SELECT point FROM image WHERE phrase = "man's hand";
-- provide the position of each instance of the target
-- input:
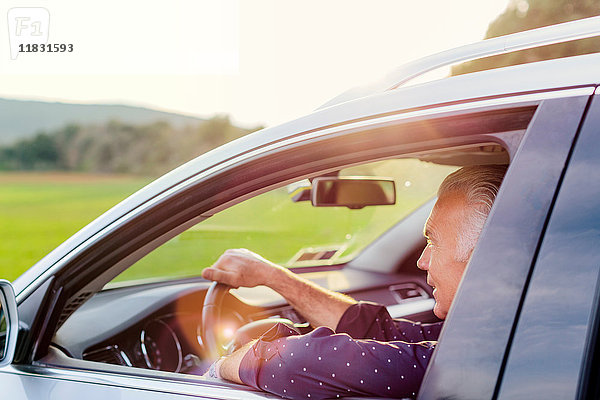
(241, 267)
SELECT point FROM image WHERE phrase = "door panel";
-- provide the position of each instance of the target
(549, 346)
(18, 387)
(469, 358)
(51, 383)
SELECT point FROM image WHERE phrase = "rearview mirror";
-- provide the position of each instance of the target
(9, 323)
(354, 192)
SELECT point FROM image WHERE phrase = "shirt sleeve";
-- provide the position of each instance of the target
(366, 320)
(323, 364)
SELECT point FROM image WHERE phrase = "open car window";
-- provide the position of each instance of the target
(158, 326)
(294, 233)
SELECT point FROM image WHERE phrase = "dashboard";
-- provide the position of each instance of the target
(157, 326)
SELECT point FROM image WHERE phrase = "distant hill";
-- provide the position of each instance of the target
(23, 118)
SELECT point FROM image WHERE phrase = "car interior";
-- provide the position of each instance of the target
(150, 316)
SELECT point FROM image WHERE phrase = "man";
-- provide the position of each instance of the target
(357, 348)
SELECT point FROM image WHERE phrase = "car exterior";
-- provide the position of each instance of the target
(524, 323)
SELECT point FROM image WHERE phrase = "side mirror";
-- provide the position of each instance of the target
(9, 323)
(354, 192)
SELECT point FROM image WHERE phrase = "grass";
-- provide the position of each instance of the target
(278, 229)
(270, 224)
(40, 211)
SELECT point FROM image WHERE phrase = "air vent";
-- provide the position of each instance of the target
(309, 255)
(107, 355)
(73, 305)
(408, 291)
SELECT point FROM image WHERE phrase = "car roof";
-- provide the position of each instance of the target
(572, 72)
(559, 33)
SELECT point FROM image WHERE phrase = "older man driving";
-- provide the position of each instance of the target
(357, 348)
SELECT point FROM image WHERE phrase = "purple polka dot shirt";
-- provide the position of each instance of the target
(369, 354)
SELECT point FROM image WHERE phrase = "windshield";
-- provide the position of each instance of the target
(294, 234)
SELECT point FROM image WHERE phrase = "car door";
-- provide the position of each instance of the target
(479, 327)
(554, 351)
(26, 383)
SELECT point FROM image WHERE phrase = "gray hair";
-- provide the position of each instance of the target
(480, 184)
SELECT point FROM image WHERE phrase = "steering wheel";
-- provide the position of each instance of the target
(211, 318)
(211, 321)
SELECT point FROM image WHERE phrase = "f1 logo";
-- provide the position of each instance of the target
(27, 25)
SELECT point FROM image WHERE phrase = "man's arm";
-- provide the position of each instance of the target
(229, 367)
(367, 320)
(241, 267)
(323, 365)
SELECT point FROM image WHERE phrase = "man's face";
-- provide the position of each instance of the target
(439, 257)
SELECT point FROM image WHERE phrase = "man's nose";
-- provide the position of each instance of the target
(423, 261)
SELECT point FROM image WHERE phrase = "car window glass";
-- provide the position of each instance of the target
(292, 233)
(556, 330)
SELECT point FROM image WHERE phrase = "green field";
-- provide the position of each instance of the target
(40, 211)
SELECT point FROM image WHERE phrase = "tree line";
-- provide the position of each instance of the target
(116, 147)
(522, 15)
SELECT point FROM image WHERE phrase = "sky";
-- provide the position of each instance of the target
(262, 62)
